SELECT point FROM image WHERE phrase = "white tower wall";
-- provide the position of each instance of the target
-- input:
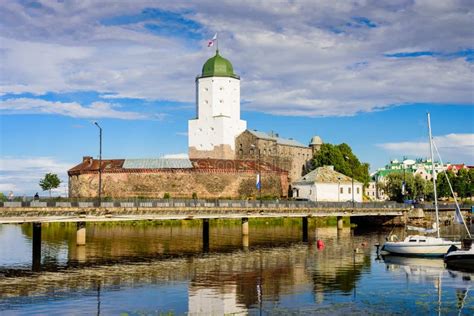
(212, 134)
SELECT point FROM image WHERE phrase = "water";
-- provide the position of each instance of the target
(150, 269)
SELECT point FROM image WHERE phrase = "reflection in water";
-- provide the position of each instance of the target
(432, 272)
(149, 268)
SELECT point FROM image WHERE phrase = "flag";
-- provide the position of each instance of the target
(458, 216)
(403, 188)
(258, 184)
(210, 43)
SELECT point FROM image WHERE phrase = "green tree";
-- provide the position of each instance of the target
(49, 182)
(415, 187)
(335, 155)
(461, 183)
(442, 185)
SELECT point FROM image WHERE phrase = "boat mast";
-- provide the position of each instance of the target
(433, 175)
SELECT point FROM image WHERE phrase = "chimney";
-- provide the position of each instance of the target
(87, 159)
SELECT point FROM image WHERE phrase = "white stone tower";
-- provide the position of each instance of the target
(212, 134)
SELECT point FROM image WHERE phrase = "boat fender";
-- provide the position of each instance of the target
(320, 244)
(393, 238)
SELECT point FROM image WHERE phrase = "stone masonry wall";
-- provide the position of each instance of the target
(179, 184)
(290, 158)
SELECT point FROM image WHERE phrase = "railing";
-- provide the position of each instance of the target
(443, 206)
(172, 203)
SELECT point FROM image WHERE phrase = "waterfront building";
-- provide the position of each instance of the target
(421, 167)
(326, 184)
(224, 156)
(374, 191)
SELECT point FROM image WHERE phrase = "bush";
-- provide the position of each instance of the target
(195, 196)
(167, 196)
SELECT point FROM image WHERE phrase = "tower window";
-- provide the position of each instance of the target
(221, 101)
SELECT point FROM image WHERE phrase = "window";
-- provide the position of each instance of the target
(358, 190)
(349, 190)
(341, 190)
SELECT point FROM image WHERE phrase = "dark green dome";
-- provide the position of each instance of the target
(218, 66)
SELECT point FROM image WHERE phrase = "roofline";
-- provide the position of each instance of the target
(220, 76)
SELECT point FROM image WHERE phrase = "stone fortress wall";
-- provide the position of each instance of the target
(292, 157)
(219, 179)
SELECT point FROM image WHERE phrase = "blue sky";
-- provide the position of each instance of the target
(364, 74)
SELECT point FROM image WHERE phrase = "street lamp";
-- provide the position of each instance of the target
(352, 177)
(259, 177)
(100, 161)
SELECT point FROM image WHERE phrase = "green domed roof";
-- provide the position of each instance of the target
(218, 66)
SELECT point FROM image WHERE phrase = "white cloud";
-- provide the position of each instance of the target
(22, 174)
(73, 109)
(178, 156)
(295, 58)
(455, 148)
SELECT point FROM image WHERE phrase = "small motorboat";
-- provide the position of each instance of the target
(461, 258)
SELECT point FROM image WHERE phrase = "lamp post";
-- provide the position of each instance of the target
(259, 177)
(352, 177)
(100, 161)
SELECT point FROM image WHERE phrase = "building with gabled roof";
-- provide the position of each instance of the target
(326, 184)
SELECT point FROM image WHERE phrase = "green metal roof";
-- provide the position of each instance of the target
(218, 66)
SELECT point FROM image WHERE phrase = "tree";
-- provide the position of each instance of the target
(415, 187)
(49, 182)
(462, 183)
(442, 185)
(334, 155)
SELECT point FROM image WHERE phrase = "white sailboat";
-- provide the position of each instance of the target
(419, 245)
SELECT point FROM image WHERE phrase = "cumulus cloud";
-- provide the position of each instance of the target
(73, 109)
(22, 174)
(318, 58)
(455, 148)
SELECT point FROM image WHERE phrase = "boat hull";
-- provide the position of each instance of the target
(404, 248)
(460, 259)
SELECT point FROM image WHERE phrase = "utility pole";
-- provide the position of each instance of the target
(100, 162)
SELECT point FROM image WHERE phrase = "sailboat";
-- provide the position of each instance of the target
(420, 245)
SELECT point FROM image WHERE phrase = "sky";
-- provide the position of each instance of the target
(360, 72)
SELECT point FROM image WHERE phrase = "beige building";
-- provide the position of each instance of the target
(284, 153)
(375, 192)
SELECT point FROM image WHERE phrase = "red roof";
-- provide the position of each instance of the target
(90, 165)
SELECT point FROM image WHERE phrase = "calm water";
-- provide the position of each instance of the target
(154, 269)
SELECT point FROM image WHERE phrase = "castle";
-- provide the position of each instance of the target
(224, 156)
